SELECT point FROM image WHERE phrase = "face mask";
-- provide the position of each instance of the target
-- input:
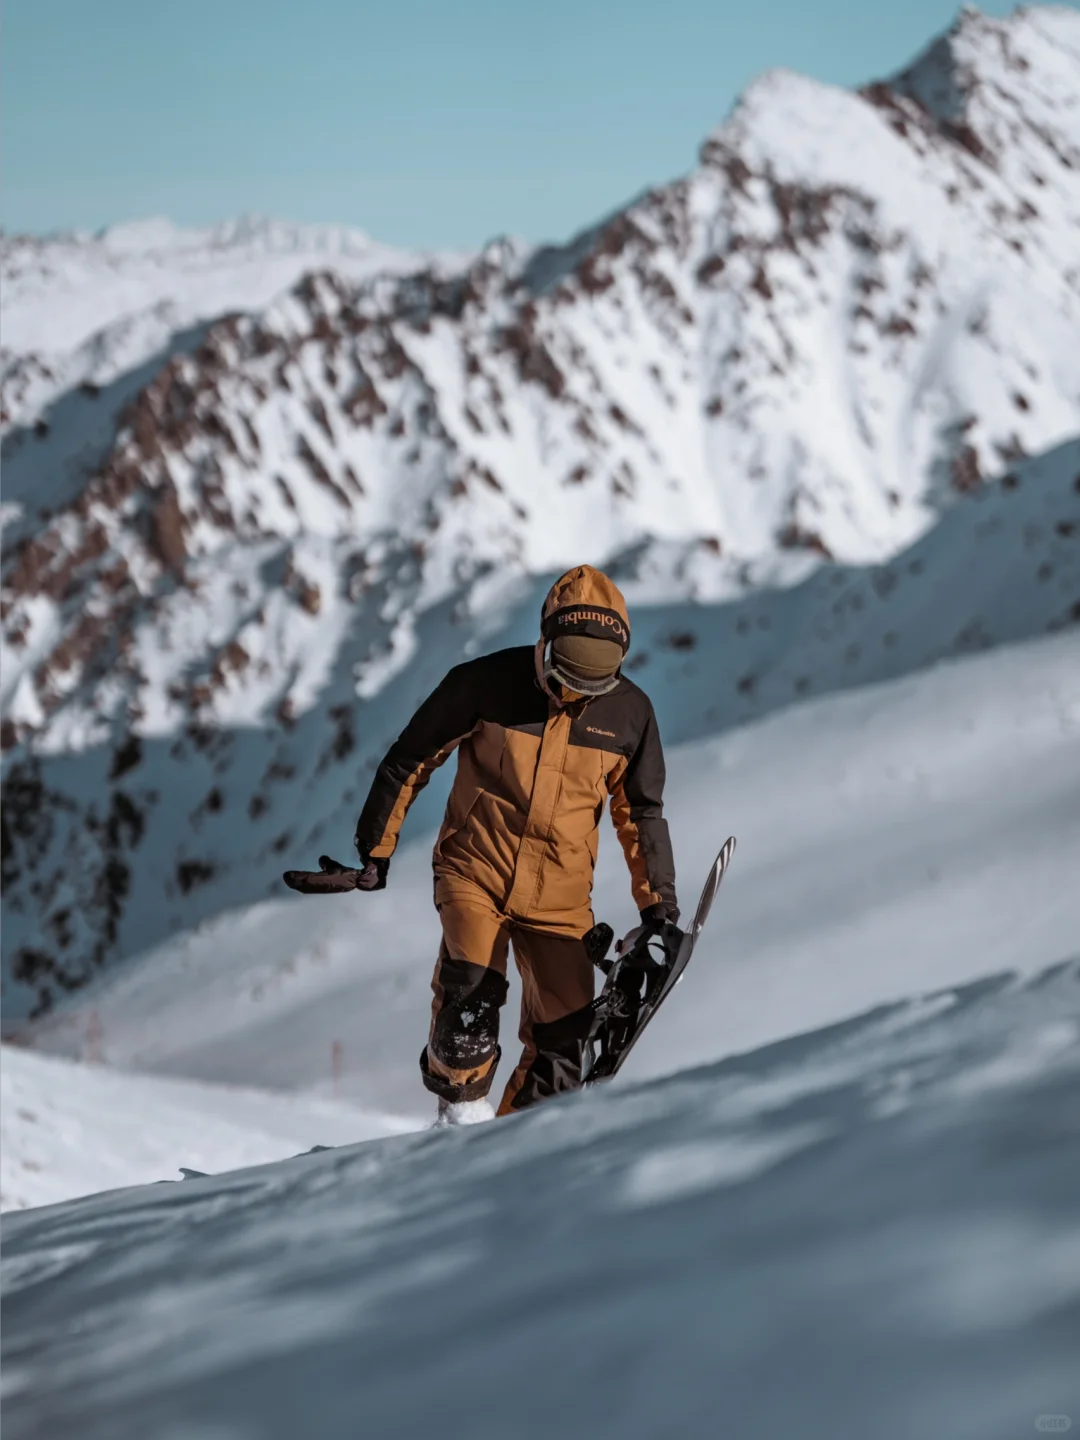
(575, 687)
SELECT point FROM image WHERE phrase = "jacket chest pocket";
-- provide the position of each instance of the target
(585, 776)
(478, 762)
(489, 745)
(515, 767)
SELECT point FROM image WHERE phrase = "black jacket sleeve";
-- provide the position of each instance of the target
(637, 809)
(441, 723)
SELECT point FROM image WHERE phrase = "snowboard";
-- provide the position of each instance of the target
(646, 968)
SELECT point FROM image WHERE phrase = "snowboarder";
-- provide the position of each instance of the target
(543, 735)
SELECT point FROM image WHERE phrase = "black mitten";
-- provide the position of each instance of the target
(655, 917)
(333, 878)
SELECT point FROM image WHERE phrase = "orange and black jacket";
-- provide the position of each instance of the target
(523, 816)
(522, 822)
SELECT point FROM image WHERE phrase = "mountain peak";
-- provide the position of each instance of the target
(985, 76)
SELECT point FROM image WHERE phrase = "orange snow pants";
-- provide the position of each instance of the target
(470, 988)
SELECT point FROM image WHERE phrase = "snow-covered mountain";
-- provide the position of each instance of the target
(84, 310)
(816, 403)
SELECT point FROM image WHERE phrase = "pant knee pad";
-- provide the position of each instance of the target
(465, 1033)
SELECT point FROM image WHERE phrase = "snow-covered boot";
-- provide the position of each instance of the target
(464, 1112)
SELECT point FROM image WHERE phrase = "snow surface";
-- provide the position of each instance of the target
(68, 1128)
(870, 1230)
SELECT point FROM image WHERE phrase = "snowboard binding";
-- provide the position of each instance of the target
(636, 978)
(647, 965)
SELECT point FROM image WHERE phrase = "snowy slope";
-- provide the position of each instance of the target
(68, 1129)
(898, 838)
(230, 575)
(112, 848)
(864, 1231)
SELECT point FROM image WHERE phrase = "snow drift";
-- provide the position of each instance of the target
(867, 1230)
(68, 1129)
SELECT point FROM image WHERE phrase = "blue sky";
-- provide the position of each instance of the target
(425, 122)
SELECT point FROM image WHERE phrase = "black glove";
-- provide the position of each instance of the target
(655, 917)
(333, 878)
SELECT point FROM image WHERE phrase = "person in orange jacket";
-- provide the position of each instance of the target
(544, 735)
